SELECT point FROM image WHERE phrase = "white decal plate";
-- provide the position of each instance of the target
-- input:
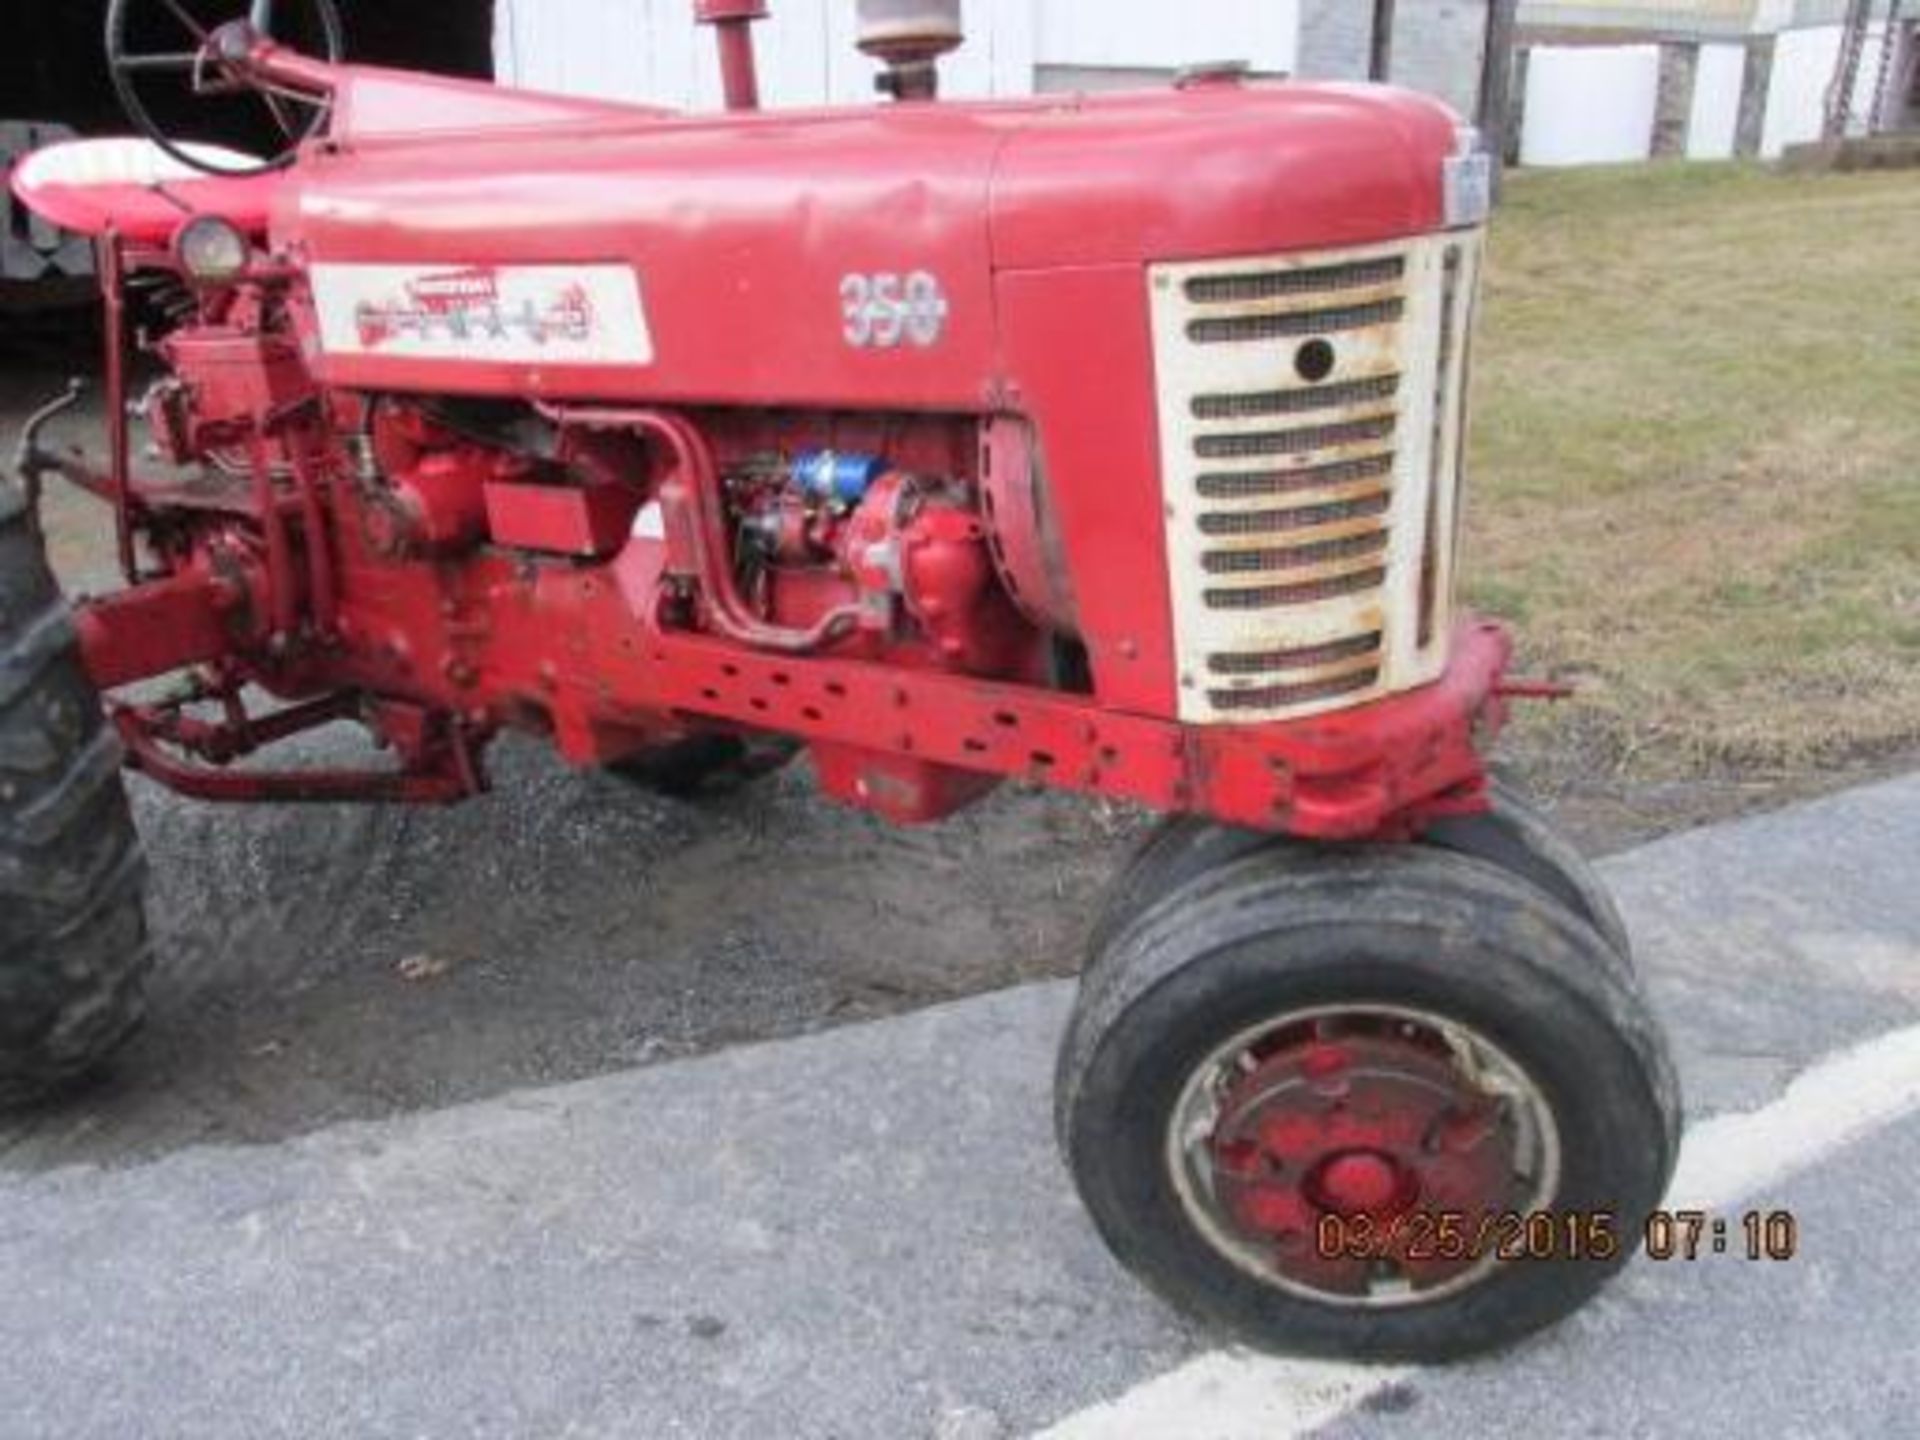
(534, 314)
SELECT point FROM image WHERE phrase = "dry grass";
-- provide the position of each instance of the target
(1697, 460)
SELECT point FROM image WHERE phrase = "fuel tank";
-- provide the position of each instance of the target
(843, 258)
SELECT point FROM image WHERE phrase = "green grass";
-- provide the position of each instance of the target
(1697, 458)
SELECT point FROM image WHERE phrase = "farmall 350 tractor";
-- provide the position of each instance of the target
(1107, 443)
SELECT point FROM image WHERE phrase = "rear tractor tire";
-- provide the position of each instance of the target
(1372, 1102)
(74, 951)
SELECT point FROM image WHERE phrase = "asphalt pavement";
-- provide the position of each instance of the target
(867, 1233)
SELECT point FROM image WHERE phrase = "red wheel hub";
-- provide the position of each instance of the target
(1378, 1125)
(1357, 1182)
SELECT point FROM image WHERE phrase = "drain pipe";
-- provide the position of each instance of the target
(733, 20)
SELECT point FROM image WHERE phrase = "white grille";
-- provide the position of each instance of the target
(1311, 427)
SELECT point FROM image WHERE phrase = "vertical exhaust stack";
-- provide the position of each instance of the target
(909, 37)
(733, 20)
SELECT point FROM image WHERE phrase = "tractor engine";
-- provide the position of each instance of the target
(858, 537)
(904, 558)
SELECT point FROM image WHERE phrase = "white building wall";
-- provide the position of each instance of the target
(1101, 33)
(1715, 120)
(1803, 68)
(1585, 105)
(652, 50)
(1590, 105)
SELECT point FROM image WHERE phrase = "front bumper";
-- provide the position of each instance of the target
(1369, 770)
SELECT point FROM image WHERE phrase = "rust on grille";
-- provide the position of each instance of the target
(1288, 557)
(1300, 517)
(1293, 402)
(1304, 657)
(1438, 456)
(1269, 697)
(1265, 597)
(1260, 484)
(1293, 442)
(1221, 329)
(1276, 284)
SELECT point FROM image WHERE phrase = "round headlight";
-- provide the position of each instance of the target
(212, 250)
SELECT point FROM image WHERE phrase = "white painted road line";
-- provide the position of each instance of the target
(1845, 1097)
(1237, 1395)
(1227, 1394)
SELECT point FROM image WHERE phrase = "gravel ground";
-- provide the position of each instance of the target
(330, 963)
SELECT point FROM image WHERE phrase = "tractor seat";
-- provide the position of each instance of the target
(136, 188)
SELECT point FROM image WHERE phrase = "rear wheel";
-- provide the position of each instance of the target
(74, 951)
(1376, 1102)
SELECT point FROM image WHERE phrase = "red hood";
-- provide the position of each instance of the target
(744, 231)
(1075, 180)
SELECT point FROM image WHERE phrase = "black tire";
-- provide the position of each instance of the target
(74, 951)
(1520, 839)
(1513, 835)
(1401, 929)
(705, 763)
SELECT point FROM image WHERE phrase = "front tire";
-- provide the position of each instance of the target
(1390, 1036)
(74, 951)
(1511, 833)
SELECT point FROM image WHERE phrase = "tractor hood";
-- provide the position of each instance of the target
(750, 237)
(1219, 170)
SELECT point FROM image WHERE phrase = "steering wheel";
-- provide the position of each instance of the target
(215, 65)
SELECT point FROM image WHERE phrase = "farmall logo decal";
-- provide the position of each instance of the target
(464, 304)
(548, 314)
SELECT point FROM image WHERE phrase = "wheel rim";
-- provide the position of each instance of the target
(1386, 1117)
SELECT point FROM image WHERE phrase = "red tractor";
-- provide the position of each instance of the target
(1111, 443)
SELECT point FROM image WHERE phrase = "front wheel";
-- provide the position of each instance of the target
(1511, 833)
(1381, 1103)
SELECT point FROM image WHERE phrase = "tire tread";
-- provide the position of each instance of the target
(74, 946)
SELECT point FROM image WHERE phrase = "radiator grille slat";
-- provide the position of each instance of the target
(1281, 697)
(1265, 597)
(1292, 557)
(1264, 484)
(1247, 446)
(1227, 328)
(1261, 403)
(1306, 657)
(1278, 284)
(1299, 517)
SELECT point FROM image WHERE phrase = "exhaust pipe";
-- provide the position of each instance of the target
(909, 37)
(733, 20)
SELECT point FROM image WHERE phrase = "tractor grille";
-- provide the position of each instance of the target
(1311, 427)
